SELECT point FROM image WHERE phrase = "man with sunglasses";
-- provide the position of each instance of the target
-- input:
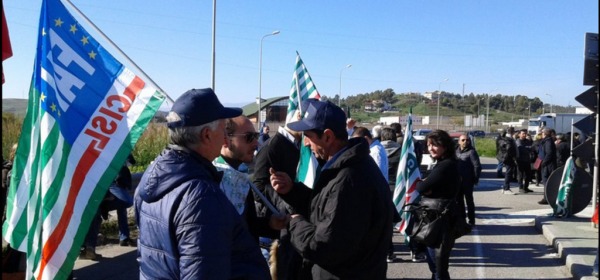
(236, 154)
(469, 168)
(188, 229)
(346, 235)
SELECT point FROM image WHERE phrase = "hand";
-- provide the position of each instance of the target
(281, 181)
(279, 222)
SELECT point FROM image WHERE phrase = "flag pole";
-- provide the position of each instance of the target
(118, 50)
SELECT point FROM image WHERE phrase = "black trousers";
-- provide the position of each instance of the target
(524, 174)
(465, 196)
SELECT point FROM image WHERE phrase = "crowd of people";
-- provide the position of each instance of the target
(221, 201)
(524, 157)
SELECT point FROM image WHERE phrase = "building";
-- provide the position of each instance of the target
(273, 110)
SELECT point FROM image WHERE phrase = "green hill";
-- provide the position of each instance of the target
(15, 106)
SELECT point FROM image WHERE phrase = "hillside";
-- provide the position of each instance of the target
(15, 106)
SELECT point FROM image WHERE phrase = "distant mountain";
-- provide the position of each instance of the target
(16, 106)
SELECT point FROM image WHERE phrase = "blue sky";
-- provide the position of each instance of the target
(515, 47)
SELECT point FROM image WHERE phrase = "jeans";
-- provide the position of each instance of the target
(499, 168)
(122, 201)
(510, 169)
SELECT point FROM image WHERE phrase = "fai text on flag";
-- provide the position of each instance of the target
(86, 111)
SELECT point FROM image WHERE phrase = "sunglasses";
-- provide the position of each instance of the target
(248, 136)
(463, 140)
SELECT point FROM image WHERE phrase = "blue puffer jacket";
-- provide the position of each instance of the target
(188, 228)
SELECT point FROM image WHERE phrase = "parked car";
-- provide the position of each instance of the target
(420, 134)
(477, 133)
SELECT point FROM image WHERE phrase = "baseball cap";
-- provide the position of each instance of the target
(321, 115)
(197, 107)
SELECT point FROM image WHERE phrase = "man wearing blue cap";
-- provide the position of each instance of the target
(188, 229)
(347, 233)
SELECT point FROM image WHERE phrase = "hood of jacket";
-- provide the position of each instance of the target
(172, 168)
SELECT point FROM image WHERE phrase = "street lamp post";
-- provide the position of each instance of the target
(438, 103)
(487, 117)
(340, 94)
(259, 101)
(550, 102)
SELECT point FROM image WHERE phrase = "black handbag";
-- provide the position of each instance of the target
(430, 220)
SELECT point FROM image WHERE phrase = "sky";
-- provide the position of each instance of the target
(512, 47)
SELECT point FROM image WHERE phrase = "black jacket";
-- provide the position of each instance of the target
(563, 151)
(469, 165)
(524, 153)
(443, 181)
(547, 153)
(348, 233)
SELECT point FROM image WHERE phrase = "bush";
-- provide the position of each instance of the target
(11, 130)
(150, 144)
(486, 147)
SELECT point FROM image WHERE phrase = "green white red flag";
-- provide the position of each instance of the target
(564, 198)
(86, 112)
(302, 89)
(407, 177)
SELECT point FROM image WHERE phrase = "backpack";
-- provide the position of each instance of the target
(507, 150)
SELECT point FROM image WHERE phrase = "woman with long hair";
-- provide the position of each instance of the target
(443, 184)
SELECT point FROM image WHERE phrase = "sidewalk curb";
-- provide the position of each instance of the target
(572, 243)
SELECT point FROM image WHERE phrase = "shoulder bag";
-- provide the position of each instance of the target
(430, 220)
(537, 164)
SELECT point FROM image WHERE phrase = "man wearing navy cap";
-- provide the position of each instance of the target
(347, 233)
(188, 229)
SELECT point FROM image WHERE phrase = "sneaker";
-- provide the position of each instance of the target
(89, 254)
(418, 257)
(543, 202)
(508, 192)
(522, 191)
(128, 242)
(528, 190)
(391, 258)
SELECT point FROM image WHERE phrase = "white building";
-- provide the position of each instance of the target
(417, 120)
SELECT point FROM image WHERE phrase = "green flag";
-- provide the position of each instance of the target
(302, 89)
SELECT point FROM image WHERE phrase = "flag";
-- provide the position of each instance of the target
(302, 89)
(407, 177)
(6, 48)
(563, 205)
(85, 113)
